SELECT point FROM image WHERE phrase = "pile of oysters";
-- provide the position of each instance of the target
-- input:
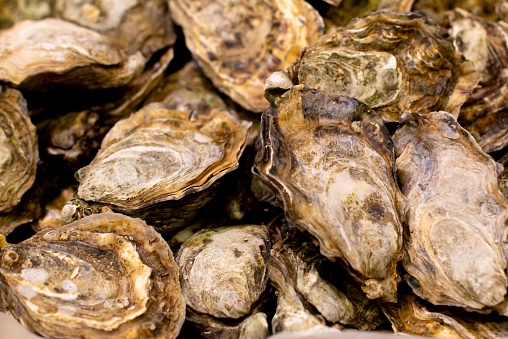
(236, 169)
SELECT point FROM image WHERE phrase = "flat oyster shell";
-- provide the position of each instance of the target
(238, 44)
(105, 275)
(330, 160)
(158, 157)
(223, 271)
(456, 214)
(413, 316)
(36, 55)
(394, 62)
(130, 25)
(18, 149)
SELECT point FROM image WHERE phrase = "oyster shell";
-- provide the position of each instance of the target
(456, 214)
(238, 44)
(103, 275)
(484, 43)
(130, 25)
(160, 161)
(330, 160)
(38, 55)
(394, 62)
(295, 266)
(223, 274)
(437, 9)
(414, 316)
(18, 148)
(12, 11)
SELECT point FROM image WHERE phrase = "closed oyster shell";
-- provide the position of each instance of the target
(130, 25)
(154, 163)
(105, 275)
(38, 55)
(12, 11)
(295, 265)
(413, 316)
(18, 148)
(330, 160)
(437, 9)
(456, 214)
(238, 44)
(394, 62)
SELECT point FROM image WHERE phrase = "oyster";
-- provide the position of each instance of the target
(223, 274)
(105, 275)
(330, 160)
(414, 316)
(295, 266)
(18, 148)
(37, 55)
(456, 214)
(437, 9)
(130, 25)
(394, 62)
(162, 165)
(238, 44)
(484, 43)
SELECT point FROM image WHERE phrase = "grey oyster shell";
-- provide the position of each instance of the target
(104, 275)
(456, 216)
(331, 163)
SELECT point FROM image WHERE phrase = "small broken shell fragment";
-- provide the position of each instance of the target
(456, 214)
(223, 274)
(18, 148)
(295, 271)
(37, 55)
(104, 275)
(238, 44)
(393, 62)
(130, 25)
(163, 165)
(330, 161)
(413, 316)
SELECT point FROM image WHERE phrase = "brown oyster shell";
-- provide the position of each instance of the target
(456, 214)
(154, 163)
(394, 62)
(223, 271)
(104, 275)
(295, 270)
(437, 9)
(238, 44)
(331, 162)
(40, 54)
(130, 25)
(413, 316)
(18, 148)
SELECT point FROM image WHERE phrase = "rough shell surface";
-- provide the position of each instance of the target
(238, 44)
(38, 54)
(18, 148)
(330, 160)
(223, 271)
(394, 62)
(104, 275)
(456, 214)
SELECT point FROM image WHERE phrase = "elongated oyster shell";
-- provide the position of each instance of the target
(223, 274)
(456, 214)
(296, 261)
(149, 162)
(18, 148)
(331, 162)
(484, 43)
(411, 315)
(130, 25)
(238, 44)
(40, 54)
(392, 61)
(105, 275)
